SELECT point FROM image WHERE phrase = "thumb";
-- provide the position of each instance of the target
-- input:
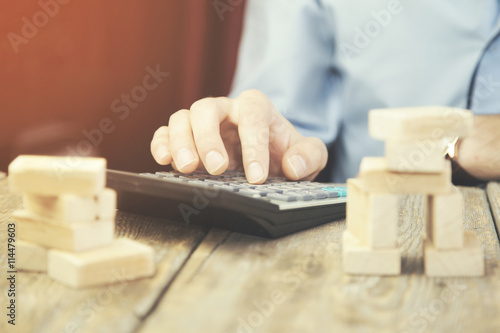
(305, 159)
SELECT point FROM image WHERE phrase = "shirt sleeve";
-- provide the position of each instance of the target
(485, 94)
(286, 52)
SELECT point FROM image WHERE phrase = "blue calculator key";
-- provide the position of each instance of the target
(341, 190)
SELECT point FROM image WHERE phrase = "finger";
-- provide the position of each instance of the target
(253, 112)
(206, 117)
(282, 135)
(181, 142)
(159, 146)
(305, 159)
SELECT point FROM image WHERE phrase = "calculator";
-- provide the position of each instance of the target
(273, 209)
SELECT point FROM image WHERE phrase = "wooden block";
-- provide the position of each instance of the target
(31, 257)
(106, 205)
(429, 122)
(70, 208)
(384, 215)
(446, 225)
(467, 261)
(121, 261)
(70, 237)
(52, 176)
(359, 259)
(66, 208)
(356, 210)
(372, 217)
(377, 178)
(415, 156)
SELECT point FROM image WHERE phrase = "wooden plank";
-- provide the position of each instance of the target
(55, 175)
(48, 306)
(415, 155)
(446, 224)
(467, 260)
(423, 122)
(493, 190)
(377, 178)
(241, 283)
(372, 218)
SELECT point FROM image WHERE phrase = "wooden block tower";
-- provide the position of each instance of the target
(414, 163)
(67, 225)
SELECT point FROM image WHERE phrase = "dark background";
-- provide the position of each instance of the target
(68, 71)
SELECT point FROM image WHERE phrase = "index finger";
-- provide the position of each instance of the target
(206, 116)
(160, 146)
(253, 113)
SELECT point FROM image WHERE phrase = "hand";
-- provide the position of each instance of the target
(478, 152)
(242, 133)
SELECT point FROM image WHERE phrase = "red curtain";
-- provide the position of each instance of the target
(67, 67)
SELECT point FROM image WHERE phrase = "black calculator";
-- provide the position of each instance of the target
(273, 209)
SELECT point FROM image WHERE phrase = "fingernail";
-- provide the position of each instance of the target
(298, 166)
(162, 154)
(254, 172)
(184, 157)
(214, 161)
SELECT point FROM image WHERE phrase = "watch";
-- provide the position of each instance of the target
(451, 149)
(459, 175)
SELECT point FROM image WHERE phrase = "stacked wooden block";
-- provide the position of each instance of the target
(413, 164)
(67, 226)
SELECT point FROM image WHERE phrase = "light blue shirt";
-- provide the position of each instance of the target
(326, 63)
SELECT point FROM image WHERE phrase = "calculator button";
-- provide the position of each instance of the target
(341, 190)
(281, 197)
(249, 191)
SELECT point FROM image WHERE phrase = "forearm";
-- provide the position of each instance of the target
(479, 153)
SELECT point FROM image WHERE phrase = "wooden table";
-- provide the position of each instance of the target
(212, 280)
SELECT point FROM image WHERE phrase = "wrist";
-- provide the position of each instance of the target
(463, 172)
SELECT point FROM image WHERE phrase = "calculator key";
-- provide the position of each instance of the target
(250, 186)
(200, 182)
(300, 195)
(229, 188)
(216, 182)
(287, 188)
(332, 194)
(341, 190)
(152, 175)
(249, 191)
(281, 197)
(165, 174)
(175, 180)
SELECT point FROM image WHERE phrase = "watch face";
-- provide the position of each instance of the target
(450, 149)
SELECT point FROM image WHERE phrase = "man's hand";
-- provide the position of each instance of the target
(479, 153)
(246, 132)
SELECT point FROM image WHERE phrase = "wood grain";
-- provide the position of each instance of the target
(47, 306)
(493, 190)
(240, 283)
